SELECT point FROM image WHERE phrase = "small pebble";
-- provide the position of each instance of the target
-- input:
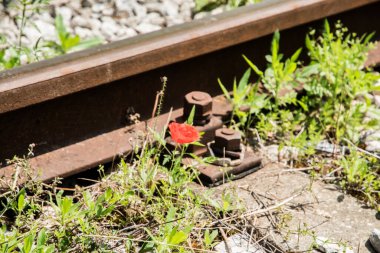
(328, 246)
(238, 244)
(375, 239)
(110, 20)
(146, 28)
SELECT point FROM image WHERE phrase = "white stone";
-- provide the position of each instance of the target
(107, 19)
(83, 32)
(170, 21)
(289, 153)
(85, 13)
(66, 13)
(109, 29)
(80, 21)
(271, 153)
(6, 22)
(375, 239)
(372, 141)
(156, 7)
(75, 4)
(95, 24)
(178, 2)
(96, 15)
(146, 28)
(186, 11)
(155, 19)
(218, 10)
(27, 41)
(45, 16)
(108, 11)
(373, 146)
(376, 99)
(201, 15)
(139, 10)
(46, 29)
(123, 6)
(24, 59)
(238, 244)
(171, 8)
(97, 7)
(7, 55)
(131, 21)
(327, 246)
(129, 32)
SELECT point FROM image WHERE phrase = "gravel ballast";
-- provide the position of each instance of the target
(110, 20)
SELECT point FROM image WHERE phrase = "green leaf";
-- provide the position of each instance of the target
(375, 88)
(254, 67)
(296, 55)
(86, 44)
(225, 91)
(209, 238)
(60, 28)
(190, 119)
(303, 105)
(41, 238)
(108, 194)
(244, 81)
(178, 237)
(197, 143)
(327, 26)
(169, 218)
(28, 243)
(108, 210)
(308, 43)
(21, 203)
(275, 46)
(368, 38)
(70, 42)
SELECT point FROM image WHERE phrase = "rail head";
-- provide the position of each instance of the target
(50, 79)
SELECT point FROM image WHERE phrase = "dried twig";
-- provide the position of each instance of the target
(260, 211)
(361, 150)
(228, 248)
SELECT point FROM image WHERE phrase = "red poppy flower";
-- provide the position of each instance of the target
(183, 133)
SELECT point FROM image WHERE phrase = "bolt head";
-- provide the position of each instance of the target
(202, 102)
(227, 138)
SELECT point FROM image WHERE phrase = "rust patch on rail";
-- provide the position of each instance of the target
(101, 149)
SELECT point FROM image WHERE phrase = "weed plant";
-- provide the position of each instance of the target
(148, 205)
(329, 99)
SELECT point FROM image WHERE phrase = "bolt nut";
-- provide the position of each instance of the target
(202, 102)
(228, 139)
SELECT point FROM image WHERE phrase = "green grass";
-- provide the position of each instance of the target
(148, 205)
(334, 105)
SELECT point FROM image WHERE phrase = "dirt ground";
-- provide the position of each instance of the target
(301, 209)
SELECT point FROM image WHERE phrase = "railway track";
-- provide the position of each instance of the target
(74, 107)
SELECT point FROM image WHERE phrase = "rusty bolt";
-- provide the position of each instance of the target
(202, 102)
(227, 138)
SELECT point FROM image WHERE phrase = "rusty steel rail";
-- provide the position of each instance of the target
(103, 148)
(72, 73)
(74, 107)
